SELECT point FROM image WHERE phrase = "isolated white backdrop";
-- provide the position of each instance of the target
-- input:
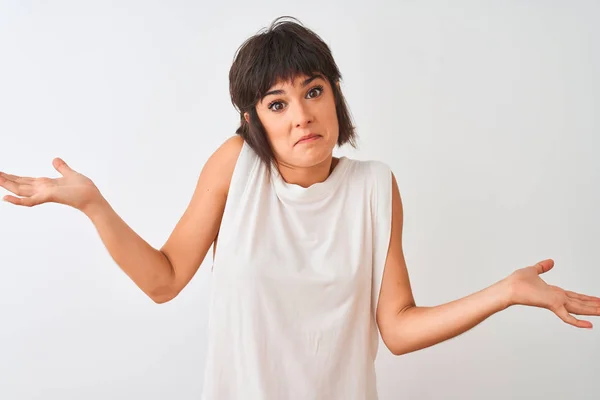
(486, 111)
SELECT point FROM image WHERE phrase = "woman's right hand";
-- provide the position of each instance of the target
(72, 189)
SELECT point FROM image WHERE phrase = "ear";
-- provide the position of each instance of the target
(338, 84)
(247, 117)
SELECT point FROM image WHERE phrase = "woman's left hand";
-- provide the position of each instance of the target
(528, 289)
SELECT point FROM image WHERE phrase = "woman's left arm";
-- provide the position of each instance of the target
(406, 327)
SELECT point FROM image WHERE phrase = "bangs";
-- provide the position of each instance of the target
(281, 54)
(283, 60)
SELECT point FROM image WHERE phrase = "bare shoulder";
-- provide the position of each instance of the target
(229, 151)
(218, 170)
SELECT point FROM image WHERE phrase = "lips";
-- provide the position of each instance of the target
(308, 137)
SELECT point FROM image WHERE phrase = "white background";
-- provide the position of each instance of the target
(487, 112)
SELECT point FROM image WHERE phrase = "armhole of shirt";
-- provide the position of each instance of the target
(382, 226)
(242, 172)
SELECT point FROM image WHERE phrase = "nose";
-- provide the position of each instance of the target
(303, 115)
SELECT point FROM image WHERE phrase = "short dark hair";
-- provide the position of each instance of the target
(284, 51)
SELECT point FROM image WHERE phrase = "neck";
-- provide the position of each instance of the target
(307, 176)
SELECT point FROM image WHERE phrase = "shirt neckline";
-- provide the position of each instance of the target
(296, 193)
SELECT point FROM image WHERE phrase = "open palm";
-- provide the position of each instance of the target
(529, 289)
(72, 189)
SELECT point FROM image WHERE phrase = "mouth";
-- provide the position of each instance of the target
(308, 138)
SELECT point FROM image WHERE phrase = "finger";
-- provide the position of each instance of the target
(17, 179)
(580, 307)
(61, 166)
(16, 188)
(21, 201)
(580, 296)
(544, 266)
(571, 320)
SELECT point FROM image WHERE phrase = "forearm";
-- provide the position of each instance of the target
(148, 267)
(421, 327)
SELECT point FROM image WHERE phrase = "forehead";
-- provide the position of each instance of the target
(297, 80)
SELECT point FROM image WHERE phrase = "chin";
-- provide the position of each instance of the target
(312, 157)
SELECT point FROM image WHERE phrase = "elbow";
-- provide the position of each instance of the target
(393, 345)
(399, 341)
(164, 289)
(400, 351)
(396, 350)
(161, 299)
(397, 337)
(393, 333)
(162, 294)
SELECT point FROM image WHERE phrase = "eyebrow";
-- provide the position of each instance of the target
(304, 84)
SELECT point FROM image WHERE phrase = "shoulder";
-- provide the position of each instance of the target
(229, 151)
(377, 182)
(377, 174)
(221, 164)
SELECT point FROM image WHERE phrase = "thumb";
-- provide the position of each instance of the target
(61, 166)
(544, 266)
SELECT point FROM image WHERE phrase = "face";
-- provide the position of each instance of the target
(304, 108)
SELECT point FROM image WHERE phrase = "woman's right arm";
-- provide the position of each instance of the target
(160, 274)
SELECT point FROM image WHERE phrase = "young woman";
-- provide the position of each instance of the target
(308, 265)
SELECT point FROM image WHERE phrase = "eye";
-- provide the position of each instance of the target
(278, 105)
(319, 90)
(316, 91)
(272, 105)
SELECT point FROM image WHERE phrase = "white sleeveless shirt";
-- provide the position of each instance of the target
(295, 284)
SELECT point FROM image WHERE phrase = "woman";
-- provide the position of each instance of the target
(308, 264)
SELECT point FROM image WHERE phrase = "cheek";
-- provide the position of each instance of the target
(332, 123)
(277, 133)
